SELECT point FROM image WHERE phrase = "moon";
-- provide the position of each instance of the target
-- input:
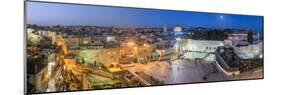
(221, 17)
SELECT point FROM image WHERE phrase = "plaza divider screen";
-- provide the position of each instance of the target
(78, 47)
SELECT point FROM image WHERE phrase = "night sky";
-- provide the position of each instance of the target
(68, 14)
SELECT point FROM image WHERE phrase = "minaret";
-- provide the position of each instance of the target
(165, 29)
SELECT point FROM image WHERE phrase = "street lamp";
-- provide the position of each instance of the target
(131, 43)
(52, 63)
(145, 45)
(135, 50)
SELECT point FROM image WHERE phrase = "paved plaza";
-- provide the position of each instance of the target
(178, 71)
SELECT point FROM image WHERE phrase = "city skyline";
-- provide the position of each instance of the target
(114, 47)
(69, 14)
